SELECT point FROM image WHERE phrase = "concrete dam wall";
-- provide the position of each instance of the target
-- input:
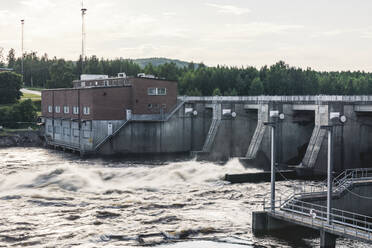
(218, 128)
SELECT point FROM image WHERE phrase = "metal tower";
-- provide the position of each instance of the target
(83, 12)
(23, 23)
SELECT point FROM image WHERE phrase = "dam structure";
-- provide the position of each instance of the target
(144, 115)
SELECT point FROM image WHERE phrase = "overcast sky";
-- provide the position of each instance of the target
(322, 34)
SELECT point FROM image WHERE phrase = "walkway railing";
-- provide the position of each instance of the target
(343, 222)
(312, 98)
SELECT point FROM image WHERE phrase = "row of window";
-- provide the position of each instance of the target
(66, 131)
(156, 91)
(156, 106)
(66, 110)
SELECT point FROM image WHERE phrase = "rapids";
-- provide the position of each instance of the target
(55, 199)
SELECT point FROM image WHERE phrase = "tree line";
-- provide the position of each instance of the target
(196, 79)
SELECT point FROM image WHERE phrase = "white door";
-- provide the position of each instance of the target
(129, 114)
(109, 128)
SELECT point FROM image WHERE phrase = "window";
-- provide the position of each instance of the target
(75, 132)
(149, 106)
(66, 109)
(86, 134)
(164, 106)
(86, 110)
(58, 109)
(50, 109)
(57, 130)
(156, 91)
(161, 91)
(151, 91)
(50, 129)
(66, 131)
(75, 110)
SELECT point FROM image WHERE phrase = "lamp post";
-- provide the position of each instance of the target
(275, 115)
(329, 128)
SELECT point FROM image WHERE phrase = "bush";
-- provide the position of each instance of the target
(19, 115)
(37, 105)
(10, 85)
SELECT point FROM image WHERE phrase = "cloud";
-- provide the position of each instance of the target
(38, 4)
(169, 14)
(229, 9)
(367, 35)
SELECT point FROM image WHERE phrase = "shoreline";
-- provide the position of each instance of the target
(21, 138)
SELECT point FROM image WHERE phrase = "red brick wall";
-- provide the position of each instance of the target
(141, 99)
(105, 103)
(110, 103)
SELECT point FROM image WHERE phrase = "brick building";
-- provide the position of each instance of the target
(85, 115)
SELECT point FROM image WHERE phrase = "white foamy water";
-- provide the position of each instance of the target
(54, 199)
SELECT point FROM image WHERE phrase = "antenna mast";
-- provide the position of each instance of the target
(23, 23)
(83, 11)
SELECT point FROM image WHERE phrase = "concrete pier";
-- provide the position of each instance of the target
(263, 223)
(327, 240)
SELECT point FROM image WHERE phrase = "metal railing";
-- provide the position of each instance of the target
(106, 138)
(343, 222)
(258, 99)
(340, 183)
(103, 140)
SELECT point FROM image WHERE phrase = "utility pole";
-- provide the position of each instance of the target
(22, 23)
(83, 12)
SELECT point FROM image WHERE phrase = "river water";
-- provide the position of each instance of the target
(54, 199)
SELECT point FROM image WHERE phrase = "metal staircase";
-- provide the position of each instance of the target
(106, 138)
(103, 140)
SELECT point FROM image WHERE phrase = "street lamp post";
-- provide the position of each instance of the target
(340, 120)
(275, 115)
(329, 129)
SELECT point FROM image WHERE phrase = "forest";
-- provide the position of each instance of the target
(195, 79)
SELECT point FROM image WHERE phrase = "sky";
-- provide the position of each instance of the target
(326, 35)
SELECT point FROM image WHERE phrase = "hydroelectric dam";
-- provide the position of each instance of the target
(218, 128)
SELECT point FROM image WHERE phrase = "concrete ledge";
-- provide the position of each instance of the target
(304, 107)
(363, 108)
(251, 106)
(263, 223)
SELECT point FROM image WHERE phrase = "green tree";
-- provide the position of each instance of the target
(150, 69)
(10, 85)
(256, 88)
(216, 92)
(11, 58)
(61, 74)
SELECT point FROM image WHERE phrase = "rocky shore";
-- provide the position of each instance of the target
(22, 138)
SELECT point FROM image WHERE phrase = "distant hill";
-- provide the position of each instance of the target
(159, 61)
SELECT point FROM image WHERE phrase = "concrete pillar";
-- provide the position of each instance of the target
(327, 240)
(259, 223)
